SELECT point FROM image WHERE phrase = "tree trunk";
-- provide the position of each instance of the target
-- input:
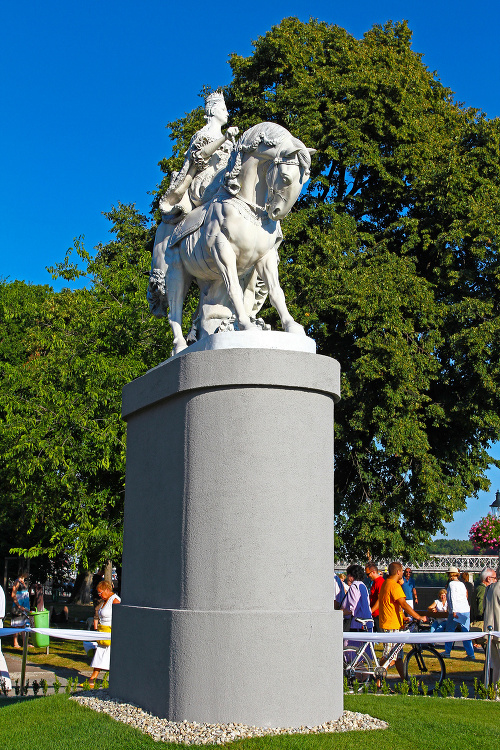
(83, 588)
(108, 570)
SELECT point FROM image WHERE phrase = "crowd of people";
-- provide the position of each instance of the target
(372, 600)
(22, 604)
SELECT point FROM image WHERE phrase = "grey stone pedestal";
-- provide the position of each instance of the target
(227, 596)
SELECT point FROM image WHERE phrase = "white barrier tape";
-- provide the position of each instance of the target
(407, 637)
(67, 635)
(400, 637)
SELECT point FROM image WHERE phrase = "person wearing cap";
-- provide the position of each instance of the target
(458, 612)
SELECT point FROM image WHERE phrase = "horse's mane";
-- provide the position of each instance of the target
(270, 134)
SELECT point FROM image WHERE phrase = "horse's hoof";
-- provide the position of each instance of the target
(179, 347)
(295, 328)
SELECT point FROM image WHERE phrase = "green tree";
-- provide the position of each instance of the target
(62, 433)
(19, 305)
(390, 260)
(450, 547)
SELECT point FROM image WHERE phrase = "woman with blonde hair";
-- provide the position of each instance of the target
(439, 605)
(102, 623)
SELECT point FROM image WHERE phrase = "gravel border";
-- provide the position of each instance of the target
(191, 733)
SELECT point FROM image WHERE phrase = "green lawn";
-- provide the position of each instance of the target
(56, 723)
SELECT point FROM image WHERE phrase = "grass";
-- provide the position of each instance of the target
(56, 723)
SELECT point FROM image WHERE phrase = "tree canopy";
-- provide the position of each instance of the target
(62, 434)
(390, 261)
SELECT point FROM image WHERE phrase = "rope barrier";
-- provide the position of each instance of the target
(66, 634)
(405, 636)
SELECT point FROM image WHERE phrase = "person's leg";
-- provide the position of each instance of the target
(464, 620)
(93, 677)
(449, 628)
(399, 667)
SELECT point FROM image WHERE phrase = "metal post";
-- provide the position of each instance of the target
(25, 655)
(488, 656)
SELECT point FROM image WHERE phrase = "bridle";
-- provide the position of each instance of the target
(272, 174)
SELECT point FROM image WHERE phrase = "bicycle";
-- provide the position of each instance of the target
(423, 663)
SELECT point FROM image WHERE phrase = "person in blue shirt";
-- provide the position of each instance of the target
(409, 589)
(20, 601)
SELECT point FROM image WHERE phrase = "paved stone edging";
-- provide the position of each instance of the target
(191, 733)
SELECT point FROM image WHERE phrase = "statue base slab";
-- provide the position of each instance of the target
(254, 339)
(227, 588)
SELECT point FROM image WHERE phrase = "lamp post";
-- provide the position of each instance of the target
(495, 506)
(495, 511)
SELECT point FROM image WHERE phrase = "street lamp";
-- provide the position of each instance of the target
(495, 506)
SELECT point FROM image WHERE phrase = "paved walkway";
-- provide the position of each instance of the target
(43, 672)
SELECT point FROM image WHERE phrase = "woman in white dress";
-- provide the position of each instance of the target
(102, 623)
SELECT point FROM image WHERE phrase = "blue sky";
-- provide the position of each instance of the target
(87, 89)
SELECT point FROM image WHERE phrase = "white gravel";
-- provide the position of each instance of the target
(191, 733)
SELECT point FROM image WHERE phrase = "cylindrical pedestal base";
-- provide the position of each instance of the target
(227, 592)
(266, 669)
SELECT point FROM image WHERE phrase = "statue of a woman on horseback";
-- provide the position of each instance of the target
(221, 227)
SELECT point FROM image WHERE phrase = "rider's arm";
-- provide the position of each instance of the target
(210, 148)
(410, 611)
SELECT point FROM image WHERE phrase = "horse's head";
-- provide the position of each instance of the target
(283, 160)
(286, 175)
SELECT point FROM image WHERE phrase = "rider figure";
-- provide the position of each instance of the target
(196, 183)
(205, 159)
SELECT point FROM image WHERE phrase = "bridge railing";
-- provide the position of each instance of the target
(436, 563)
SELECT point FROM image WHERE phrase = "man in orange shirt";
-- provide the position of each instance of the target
(392, 605)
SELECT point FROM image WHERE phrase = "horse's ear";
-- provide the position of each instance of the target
(312, 151)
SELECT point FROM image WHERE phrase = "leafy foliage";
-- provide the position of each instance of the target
(449, 547)
(391, 262)
(62, 434)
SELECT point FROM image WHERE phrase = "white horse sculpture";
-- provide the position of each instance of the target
(229, 246)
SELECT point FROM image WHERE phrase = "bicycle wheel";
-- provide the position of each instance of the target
(356, 667)
(426, 665)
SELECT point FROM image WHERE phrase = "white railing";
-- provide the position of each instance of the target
(437, 563)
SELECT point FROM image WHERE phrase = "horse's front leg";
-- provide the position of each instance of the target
(156, 293)
(267, 268)
(225, 258)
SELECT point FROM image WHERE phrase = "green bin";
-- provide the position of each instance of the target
(41, 621)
